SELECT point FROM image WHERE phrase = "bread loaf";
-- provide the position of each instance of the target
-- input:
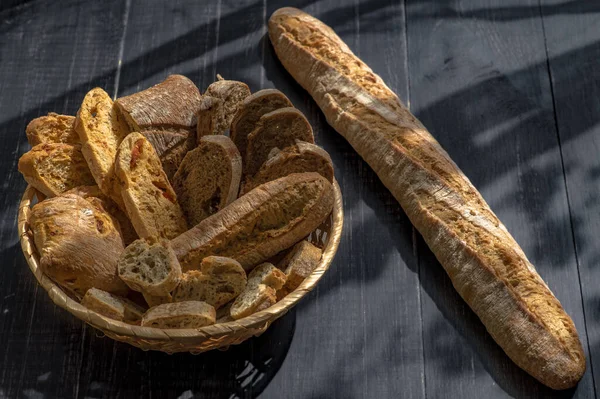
(260, 224)
(487, 267)
(52, 128)
(78, 244)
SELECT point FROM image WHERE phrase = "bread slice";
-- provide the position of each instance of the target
(298, 264)
(208, 179)
(55, 168)
(169, 105)
(155, 300)
(79, 244)
(190, 314)
(278, 129)
(112, 306)
(98, 198)
(260, 292)
(260, 224)
(224, 313)
(251, 110)
(52, 128)
(149, 199)
(221, 280)
(297, 158)
(150, 267)
(101, 129)
(171, 147)
(223, 100)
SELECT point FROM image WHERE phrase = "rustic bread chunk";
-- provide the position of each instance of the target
(79, 244)
(299, 264)
(259, 294)
(221, 280)
(260, 224)
(487, 267)
(150, 267)
(112, 306)
(231, 93)
(55, 168)
(190, 314)
(251, 110)
(297, 158)
(171, 147)
(208, 178)
(52, 128)
(101, 129)
(149, 199)
(97, 197)
(278, 129)
(169, 105)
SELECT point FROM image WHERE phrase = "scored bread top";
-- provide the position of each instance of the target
(52, 128)
(208, 178)
(297, 158)
(486, 265)
(149, 199)
(278, 129)
(250, 111)
(54, 168)
(261, 223)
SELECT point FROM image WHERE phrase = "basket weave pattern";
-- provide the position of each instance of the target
(198, 340)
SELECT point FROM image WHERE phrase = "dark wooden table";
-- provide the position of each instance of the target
(510, 88)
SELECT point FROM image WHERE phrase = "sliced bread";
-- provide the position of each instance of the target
(208, 179)
(171, 147)
(79, 244)
(52, 128)
(210, 112)
(251, 110)
(55, 168)
(297, 158)
(169, 105)
(101, 129)
(112, 306)
(149, 199)
(230, 94)
(155, 300)
(278, 129)
(221, 280)
(260, 292)
(299, 263)
(260, 224)
(190, 314)
(150, 267)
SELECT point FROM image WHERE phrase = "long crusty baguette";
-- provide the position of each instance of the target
(485, 264)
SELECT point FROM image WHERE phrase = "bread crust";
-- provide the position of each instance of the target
(486, 265)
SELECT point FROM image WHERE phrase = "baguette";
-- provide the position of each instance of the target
(487, 267)
(260, 224)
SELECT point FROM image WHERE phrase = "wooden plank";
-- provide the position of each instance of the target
(50, 57)
(358, 335)
(482, 88)
(573, 45)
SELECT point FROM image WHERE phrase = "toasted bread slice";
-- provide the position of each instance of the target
(208, 179)
(298, 264)
(190, 314)
(149, 199)
(52, 128)
(171, 147)
(101, 129)
(55, 168)
(112, 306)
(221, 280)
(150, 267)
(278, 129)
(298, 158)
(260, 291)
(169, 105)
(250, 111)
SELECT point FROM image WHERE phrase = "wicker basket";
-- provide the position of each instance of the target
(327, 236)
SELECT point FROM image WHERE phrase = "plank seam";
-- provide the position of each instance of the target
(562, 163)
(121, 48)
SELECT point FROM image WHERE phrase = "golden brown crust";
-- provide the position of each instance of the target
(52, 128)
(258, 225)
(486, 265)
(171, 147)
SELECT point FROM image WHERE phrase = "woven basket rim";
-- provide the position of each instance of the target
(254, 321)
